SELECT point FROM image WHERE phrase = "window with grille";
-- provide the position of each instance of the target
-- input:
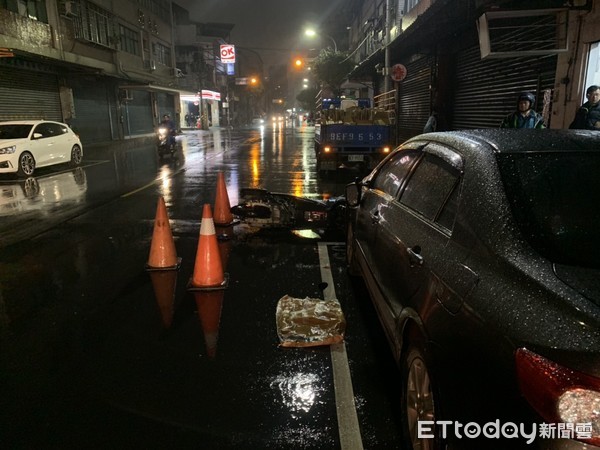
(507, 34)
(95, 24)
(130, 40)
(32, 9)
(162, 54)
(162, 8)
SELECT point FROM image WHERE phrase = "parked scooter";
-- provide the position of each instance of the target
(263, 209)
(166, 141)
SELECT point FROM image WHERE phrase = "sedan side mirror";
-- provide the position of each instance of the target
(353, 192)
(37, 135)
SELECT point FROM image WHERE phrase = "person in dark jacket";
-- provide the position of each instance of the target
(170, 125)
(524, 116)
(588, 116)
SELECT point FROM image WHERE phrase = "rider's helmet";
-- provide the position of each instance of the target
(527, 96)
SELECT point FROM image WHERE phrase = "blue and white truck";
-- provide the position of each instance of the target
(350, 134)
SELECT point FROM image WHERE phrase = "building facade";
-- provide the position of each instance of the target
(200, 70)
(106, 68)
(467, 61)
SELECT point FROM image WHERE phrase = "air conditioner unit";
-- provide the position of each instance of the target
(178, 73)
(69, 8)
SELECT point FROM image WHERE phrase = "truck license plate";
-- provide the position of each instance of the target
(355, 158)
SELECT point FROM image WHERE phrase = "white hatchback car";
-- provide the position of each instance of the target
(28, 144)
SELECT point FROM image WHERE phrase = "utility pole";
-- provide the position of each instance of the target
(388, 32)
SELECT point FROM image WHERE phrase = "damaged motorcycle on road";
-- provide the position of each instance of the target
(266, 210)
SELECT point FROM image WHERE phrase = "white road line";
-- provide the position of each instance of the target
(349, 428)
(152, 183)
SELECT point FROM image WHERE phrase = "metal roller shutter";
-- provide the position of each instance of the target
(413, 98)
(486, 90)
(29, 95)
(92, 109)
(139, 118)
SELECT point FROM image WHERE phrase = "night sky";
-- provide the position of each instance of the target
(265, 24)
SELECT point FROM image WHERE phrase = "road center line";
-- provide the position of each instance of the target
(349, 429)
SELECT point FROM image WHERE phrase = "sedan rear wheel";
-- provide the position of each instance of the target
(417, 400)
(26, 165)
(76, 155)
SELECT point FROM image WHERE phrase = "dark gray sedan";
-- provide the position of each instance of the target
(481, 252)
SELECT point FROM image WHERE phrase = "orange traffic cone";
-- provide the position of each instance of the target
(208, 270)
(163, 264)
(162, 248)
(223, 214)
(208, 282)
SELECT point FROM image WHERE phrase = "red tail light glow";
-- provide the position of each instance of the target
(559, 394)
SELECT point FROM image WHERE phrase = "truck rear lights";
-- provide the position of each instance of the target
(559, 394)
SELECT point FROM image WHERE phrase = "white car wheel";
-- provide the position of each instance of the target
(76, 155)
(26, 165)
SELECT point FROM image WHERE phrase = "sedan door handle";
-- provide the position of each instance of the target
(414, 255)
(375, 217)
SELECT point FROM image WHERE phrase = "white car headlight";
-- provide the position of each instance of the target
(8, 150)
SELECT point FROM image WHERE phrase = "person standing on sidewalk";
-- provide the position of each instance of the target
(524, 116)
(588, 116)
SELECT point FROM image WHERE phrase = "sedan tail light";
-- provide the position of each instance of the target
(559, 394)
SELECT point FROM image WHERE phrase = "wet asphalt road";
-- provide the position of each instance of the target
(90, 360)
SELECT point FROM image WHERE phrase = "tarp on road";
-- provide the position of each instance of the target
(309, 322)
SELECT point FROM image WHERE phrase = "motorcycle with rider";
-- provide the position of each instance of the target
(166, 137)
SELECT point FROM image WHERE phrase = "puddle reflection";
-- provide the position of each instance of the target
(42, 192)
(210, 305)
(298, 391)
(164, 283)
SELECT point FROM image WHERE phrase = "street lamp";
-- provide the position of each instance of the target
(312, 33)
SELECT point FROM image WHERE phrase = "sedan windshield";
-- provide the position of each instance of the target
(14, 131)
(555, 199)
